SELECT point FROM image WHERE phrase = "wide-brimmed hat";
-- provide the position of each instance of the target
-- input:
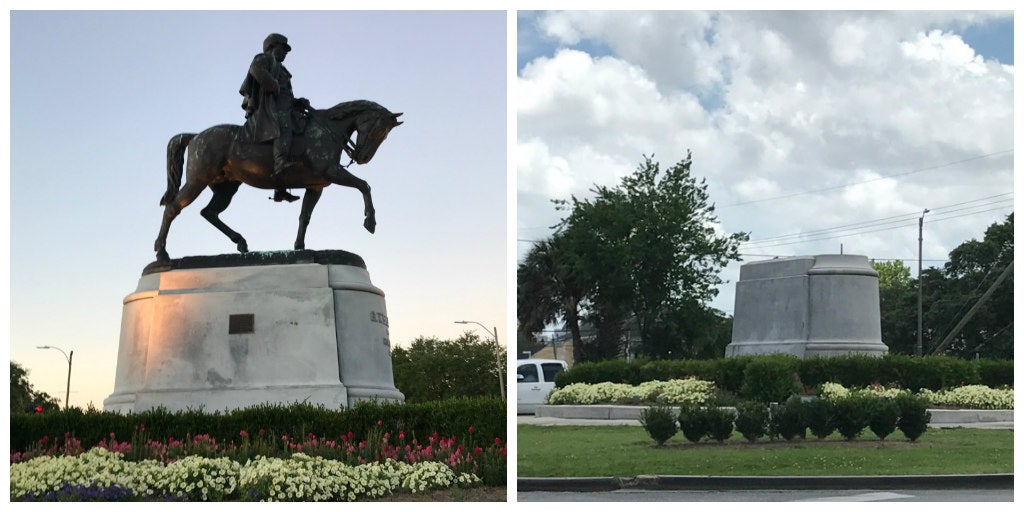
(273, 39)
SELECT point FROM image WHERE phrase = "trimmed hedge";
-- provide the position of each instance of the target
(737, 375)
(487, 416)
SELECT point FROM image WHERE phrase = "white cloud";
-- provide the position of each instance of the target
(806, 101)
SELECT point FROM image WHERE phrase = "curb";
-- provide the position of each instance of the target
(748, 483)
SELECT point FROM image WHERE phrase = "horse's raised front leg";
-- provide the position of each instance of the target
(341, 176)
(184, 197)
(309, 200)
(222, 194)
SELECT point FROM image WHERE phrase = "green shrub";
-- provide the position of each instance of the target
(995, 372)
(724, 398)
(612, 370)
(914, 416)
(719, 422)
(884, 415)
(660, 423)
(669, 369)
(787, 419)
(487, 416)
(770, 378)
(820, 417)
(693, 423)
(852, 413)
(932, 372)
(752, 420)
(729, 375)
(853, 370)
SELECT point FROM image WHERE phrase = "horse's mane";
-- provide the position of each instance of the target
(348, 108)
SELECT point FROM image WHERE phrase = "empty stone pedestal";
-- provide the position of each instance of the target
(230, 331)
(807, 306)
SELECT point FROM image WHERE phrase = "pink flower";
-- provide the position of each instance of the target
(470, 429)
(379, 422)
(477, 450)
(243, 433)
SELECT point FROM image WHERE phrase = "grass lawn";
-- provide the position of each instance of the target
(629, 451)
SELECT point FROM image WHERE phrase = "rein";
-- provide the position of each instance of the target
(346, 146)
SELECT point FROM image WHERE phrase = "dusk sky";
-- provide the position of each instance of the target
(95, 97)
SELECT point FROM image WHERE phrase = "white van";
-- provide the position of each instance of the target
(535, 378)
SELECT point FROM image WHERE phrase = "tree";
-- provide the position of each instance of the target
(972, 268)
(548, 287)
(897, 297)
(646, 249)
(653, 250)
(891, 274)
(23, 396)
(948, 294)
(431, 369)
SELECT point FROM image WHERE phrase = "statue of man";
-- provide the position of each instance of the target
(269, 104)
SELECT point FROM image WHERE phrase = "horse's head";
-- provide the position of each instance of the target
(372, 121)
(373, 128)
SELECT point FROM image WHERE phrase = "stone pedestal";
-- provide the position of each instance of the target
(230, 331)
(807, 306)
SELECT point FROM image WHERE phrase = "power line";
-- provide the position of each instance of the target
(825, 189)
(885, 220)
(761, 245)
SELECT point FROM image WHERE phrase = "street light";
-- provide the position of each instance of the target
(67, 392)
(497, 354)
(920, 281)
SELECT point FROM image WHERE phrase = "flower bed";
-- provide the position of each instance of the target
(971, 397)
(258, 468)
(195, 478)
(676, 391)
(968, 397)
(702, 392)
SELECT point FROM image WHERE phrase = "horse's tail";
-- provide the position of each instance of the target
(175, 164)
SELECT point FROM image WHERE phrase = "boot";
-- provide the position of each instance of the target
(282, 147)
(281, 166)
(283, 195)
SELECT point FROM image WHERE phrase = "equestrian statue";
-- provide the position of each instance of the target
(284, 143)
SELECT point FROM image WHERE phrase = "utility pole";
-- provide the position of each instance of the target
(920, 282)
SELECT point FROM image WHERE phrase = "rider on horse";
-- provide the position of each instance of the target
(270, 107)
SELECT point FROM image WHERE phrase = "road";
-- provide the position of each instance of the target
(766, 496)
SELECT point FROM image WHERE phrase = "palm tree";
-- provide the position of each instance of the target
(546, 289)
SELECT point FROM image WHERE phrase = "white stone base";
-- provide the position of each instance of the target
(303, 332)
(807, 306)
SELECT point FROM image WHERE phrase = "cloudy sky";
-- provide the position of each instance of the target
(815, 130)
(95, 96)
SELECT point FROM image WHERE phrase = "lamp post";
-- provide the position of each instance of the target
(497, 354)
(920, 281)
(67, 391)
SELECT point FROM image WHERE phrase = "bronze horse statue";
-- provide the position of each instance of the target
(221, 159)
